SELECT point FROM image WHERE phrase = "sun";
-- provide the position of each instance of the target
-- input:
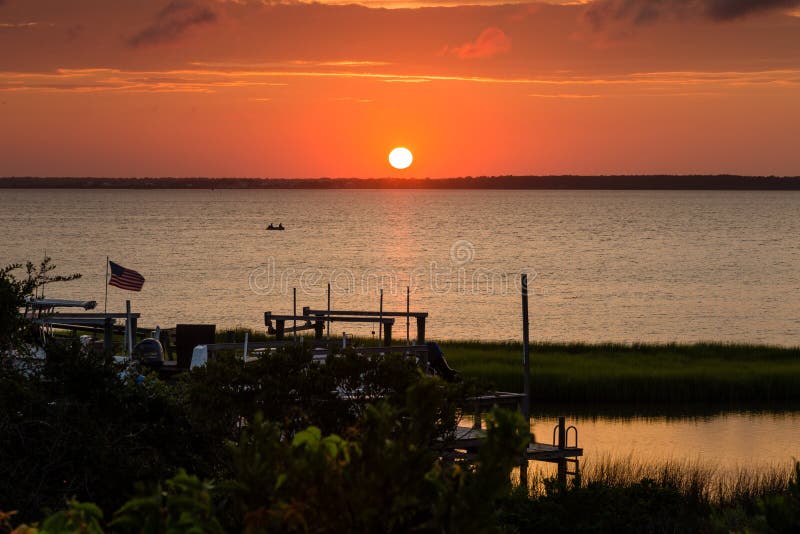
(400, 158)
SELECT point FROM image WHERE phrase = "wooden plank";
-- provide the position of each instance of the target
(393, 349)
(545, 453)
(531, 454)
(90, 315)
(319, 318)
(499, 398)
(66, 322)
(250, 345)
(469, 438)
(355, 313)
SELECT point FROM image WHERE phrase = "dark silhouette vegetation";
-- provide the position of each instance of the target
(621, 182)
(289, 445)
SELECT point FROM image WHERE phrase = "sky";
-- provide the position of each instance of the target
(261, 88)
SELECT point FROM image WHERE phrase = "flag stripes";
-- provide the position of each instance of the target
(123, 278)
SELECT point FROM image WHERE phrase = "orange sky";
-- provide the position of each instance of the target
(295, 89)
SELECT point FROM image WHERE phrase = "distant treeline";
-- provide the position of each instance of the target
(696, 182)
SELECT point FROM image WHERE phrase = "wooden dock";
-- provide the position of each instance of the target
(467, 441)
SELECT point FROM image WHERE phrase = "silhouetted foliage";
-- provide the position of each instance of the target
(287, 444)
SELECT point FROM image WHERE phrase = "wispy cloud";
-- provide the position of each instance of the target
(653, 94)
(172, 22)
(564, 95)
(491, 42)
(17, 25)
(214, 80)
(601, 13)
(353, 99)
(357, 63)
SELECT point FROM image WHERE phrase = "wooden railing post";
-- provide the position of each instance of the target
(387, 334)
(108, 335)
(420, 330)
(280, 327)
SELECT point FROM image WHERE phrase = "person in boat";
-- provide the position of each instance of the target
(280, 226)
(270, 227)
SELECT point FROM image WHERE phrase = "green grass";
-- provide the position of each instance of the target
(581, 374)
(610, 373)
(695, 480)
(629, 496)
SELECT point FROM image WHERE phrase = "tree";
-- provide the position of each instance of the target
(16, 331)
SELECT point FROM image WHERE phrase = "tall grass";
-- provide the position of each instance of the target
(695, 481)
(586, 374)
(642, 373)
(627, 495)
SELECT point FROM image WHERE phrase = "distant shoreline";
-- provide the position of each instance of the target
(611, 182)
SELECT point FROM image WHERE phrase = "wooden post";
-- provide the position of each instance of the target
(420, 330)
(319, 329)
(380, 323)
(408, 315)
(562, 443)
(128, 337)
(105, 305)
(294, 312)
(526, 364)
(108, 335)
(134, 328)
(387, 335)
(562, 473)
(329, 313)
(526, 406)
(280, 328)
(523, 472)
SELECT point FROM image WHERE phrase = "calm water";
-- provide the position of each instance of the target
(726, 441)
(618, 266)
(605, 266)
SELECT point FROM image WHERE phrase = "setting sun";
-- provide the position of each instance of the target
(400, 158)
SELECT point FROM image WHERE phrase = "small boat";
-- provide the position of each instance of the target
(273, 227)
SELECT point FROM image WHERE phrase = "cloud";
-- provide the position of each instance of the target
(172, 22)
(601, 13)
(731, 9)
(491, 42)
(651, 84)
(17, 25)
(353, 99)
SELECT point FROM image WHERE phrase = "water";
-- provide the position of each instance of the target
(604, 265)
(726, 441)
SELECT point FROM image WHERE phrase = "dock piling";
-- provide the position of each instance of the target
(108, 335)
(128, 332)
(526, 406)
(294, 312)
(420, 330)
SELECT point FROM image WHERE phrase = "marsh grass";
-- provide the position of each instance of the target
(634, 495)
(642, 373)
(612, 373)
(703, 483)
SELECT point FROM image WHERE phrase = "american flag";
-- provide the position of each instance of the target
(125, 278)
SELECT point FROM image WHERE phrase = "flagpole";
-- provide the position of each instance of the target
(105, 306)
